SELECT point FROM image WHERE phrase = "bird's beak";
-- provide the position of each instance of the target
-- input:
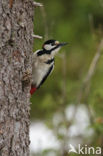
(63, 44)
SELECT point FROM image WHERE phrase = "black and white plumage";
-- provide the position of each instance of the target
(43, 63)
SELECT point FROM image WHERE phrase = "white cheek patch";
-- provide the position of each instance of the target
(48, 46)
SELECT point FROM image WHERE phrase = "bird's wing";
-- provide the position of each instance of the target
(35, 54)
(47, 74)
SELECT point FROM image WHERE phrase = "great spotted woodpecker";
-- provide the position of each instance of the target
(43, 63)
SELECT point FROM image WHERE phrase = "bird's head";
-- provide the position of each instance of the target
(52, 46)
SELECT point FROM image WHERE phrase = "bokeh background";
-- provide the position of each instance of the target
(68, 108)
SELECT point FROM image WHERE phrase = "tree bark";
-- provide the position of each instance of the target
(16, 29)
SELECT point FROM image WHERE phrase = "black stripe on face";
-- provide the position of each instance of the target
(48, 52)
(41, 52)
(50, 61)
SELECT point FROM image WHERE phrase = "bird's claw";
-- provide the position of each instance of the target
(27, 76)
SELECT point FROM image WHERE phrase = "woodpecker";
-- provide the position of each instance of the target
(43, 63)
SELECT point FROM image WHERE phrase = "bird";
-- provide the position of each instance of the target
(43, 62)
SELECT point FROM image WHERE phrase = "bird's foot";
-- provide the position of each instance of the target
(27, 76)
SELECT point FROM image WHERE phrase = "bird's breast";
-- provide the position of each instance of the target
(39, 72)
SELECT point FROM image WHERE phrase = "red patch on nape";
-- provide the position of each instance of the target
(33, 89)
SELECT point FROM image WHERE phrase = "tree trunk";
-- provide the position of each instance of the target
(16, 27)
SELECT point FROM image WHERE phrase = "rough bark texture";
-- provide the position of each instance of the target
(16, 27)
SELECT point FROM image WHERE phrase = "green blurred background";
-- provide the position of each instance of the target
(80, 23)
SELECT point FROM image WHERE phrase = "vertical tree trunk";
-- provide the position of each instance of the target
(16, 27)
